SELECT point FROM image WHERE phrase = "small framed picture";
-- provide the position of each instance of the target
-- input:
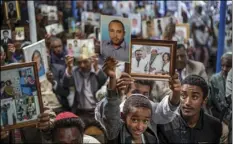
(44, 9)
(12, 10)
(37, 52)
(19, 33)
(152, 58)
(182, 33)
(115, 37)
(52, 16)
(21, 100)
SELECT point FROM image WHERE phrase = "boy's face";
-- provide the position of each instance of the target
(137, 121)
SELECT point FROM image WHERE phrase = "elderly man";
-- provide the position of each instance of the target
(138, 63)
(217, 101)
(155, 62)
(87, 78)
(187, 67)
(116, 47)
(217, 85)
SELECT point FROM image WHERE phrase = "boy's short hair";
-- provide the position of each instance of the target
(136, 100)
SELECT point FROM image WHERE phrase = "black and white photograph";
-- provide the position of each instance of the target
(52, 16)
(21, 102)
(12, 10)
(5, 36)
(152, 58)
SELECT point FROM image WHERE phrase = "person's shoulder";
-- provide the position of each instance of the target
(90, 139)
(196, 63)
(215, 76)
(212, 120)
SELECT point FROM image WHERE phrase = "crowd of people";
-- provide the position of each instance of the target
(194, 108)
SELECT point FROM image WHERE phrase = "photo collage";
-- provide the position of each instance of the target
(19, 97)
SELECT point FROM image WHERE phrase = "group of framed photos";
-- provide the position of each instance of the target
(21, 102)
(6, 34)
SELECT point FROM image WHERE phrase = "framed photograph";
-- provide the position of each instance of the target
(5, 35)
(135, 23)
(37, 52)
(115, 37)
(182, 33)
(148, 29)
(12, 10)
(152, 58)
(125, 7)
(21, 100)
(79, 47)
(19, 33)
(72, 27)
(161, 24)
(54, 29)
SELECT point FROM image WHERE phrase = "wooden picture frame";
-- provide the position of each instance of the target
(157, 68)
(186, 31)
(15, 12)
(21, 100)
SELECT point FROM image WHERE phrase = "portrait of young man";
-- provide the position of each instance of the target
(115, 33)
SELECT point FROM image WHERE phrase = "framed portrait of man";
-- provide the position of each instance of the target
(152, 58)
(21, 100)
(37, 52)
(115, 37)
(12, 10)
(135, 23)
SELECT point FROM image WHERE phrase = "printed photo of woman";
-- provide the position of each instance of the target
(36, 57)
(166, 62)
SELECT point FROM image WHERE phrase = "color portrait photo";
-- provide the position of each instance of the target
(37, 53)
(115, 37)
(150, 59)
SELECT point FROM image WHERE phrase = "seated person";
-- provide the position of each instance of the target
(192, 125)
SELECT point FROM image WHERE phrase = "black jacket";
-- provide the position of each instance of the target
(208, 129)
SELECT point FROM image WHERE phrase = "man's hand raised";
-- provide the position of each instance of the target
(175, 86)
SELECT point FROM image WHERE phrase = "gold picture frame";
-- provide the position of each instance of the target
(15, 14)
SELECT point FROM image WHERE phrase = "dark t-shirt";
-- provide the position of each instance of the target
(207, 130)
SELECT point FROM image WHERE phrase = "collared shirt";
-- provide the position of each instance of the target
(87, 100)
(138, 66)
(121, 53)
(207, 130)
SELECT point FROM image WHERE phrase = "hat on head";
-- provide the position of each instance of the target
(65, 115)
